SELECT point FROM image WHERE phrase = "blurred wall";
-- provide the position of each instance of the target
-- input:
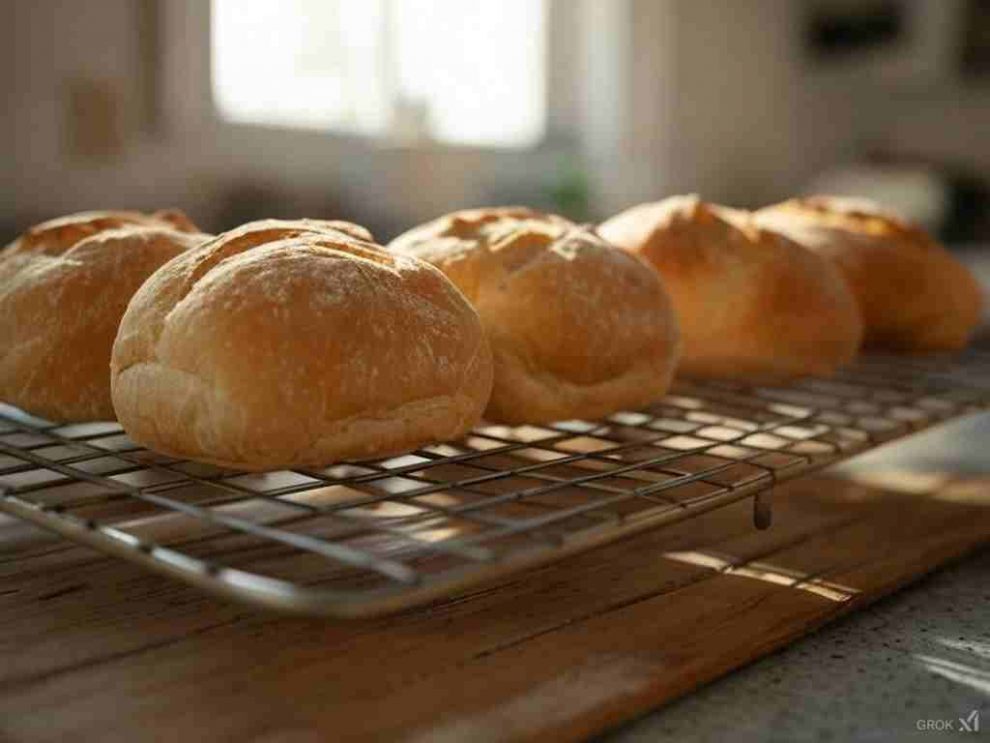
(650, 97)
(722, 100)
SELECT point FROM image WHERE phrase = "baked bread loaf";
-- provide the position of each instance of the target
(913, 295)
(64, 285)
(293, 344)
(578, 329)
(751, 304)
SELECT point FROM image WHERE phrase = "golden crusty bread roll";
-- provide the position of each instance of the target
(64, 285)
(751, 304)
(291, 344)
(578, 329)
(913, 295)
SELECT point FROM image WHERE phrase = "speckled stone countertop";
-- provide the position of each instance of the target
(919, 658)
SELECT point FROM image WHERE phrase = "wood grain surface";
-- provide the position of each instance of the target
(95, 649)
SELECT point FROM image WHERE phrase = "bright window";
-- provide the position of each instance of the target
(457, 71)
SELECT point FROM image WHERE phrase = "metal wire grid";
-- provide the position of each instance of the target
(363, 538)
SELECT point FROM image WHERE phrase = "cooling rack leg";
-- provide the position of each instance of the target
(762, 509)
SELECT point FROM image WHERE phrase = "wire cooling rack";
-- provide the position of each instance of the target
(356, 539)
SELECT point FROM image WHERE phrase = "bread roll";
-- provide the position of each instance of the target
(64, 285)
(913, 295)
(751, 304)
(292, 344)
(578, 329)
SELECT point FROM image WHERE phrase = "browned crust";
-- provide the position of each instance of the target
(58, 235)
(913, 294)
(750, 303)
(578, 329)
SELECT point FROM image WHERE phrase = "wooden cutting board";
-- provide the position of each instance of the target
(94, 649)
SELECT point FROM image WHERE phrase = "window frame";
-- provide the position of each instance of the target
(188, 104)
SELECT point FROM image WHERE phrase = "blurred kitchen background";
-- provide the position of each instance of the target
(391, 112)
